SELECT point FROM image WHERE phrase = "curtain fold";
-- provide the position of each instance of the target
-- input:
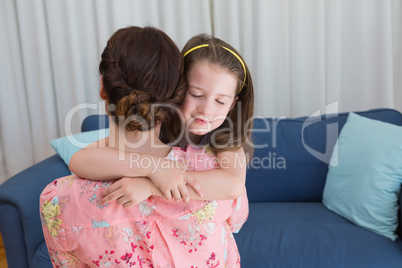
(304, 56)
(14, 111)
(396, 22)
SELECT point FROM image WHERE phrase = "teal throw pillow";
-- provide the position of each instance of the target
(67, 146)
(365, 175)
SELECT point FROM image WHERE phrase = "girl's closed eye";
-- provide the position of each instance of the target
(220, 102)
(195, 95)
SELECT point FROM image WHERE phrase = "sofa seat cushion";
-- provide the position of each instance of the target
(41, 258)
(310, 235)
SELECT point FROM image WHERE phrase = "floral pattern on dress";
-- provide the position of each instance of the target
(62, 201)
(107, 259)
(146, 207)
(50, 212)
(212, 262)
(111, 236)
(192, 238)
(69, 181)
(91, 190)
(205, 214)
(72, 260)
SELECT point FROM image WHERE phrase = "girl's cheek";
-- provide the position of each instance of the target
(183, 107)
(189, 104)
(224, 111)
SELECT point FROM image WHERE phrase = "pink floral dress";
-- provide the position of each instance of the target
(79, 232)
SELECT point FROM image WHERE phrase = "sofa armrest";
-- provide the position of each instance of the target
(399, 232)
(20, 223)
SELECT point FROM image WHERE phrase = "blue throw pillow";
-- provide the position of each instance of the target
(365, 175)
(67, 146)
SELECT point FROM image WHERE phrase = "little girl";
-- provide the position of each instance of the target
(156, 233)
(217, 113)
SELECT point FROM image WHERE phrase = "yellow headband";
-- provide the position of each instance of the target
(231, 51)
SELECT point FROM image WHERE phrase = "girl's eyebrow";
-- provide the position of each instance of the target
(197, 87)
(224, 95)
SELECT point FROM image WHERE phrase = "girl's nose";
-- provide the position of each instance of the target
(204, 107)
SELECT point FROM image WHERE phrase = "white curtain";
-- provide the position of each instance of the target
(51, 51)
(304, 55)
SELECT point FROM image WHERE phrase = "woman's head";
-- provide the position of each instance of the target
(141, 67)
(220, 95)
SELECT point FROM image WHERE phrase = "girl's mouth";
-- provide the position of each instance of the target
(201, 121)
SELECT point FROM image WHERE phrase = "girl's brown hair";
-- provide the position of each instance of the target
(142, 74)
(235, 132)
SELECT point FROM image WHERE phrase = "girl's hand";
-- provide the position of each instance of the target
(170, 179)
(129, 191)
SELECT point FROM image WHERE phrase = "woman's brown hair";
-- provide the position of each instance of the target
(235, 132)
(142, 75)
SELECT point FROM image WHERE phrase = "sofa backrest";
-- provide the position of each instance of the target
(94, 122)
(292, 165)
(291, 156)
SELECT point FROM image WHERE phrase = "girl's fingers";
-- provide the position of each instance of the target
(129, 204)
(176, 194)
(110, 197)
(167, 194)
(184, 192)
(196, 186)
(123, 200)
(114, 187)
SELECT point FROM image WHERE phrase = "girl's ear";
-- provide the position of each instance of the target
(102, 92)
(233, 103)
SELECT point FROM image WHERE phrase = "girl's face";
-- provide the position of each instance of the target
(209, 98)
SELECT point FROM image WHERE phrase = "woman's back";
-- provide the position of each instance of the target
(157, 232)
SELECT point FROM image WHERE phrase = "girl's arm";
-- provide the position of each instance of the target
(99, 162)
(226, 182)
(130, 191)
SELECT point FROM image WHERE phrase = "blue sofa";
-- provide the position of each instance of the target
(288, 225)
